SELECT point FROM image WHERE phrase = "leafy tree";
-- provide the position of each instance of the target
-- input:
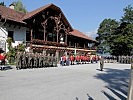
(105, 31)
(2, 3)
(128, 15)
(117, 37)
(20, 48)
(19, 6)
(13, 50)
(123, 40)
(11, 53)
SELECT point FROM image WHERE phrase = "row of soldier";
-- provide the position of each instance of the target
(125, 59)
(119, 59)
(110, 59)
(35, 60)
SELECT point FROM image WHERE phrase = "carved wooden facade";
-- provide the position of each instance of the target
(47, 29)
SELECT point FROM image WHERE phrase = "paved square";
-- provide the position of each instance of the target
(77, 82)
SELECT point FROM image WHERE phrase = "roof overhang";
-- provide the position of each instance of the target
(39, 10)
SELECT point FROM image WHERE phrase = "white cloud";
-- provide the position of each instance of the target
(92, 34)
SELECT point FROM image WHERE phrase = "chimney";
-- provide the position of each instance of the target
(11, 6)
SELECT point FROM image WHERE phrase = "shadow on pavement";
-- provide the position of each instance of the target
(108, 95)
(117, 81)
(5, 67)
(89, 97)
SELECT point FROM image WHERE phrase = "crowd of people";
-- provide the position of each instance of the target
(78, 59)
(38, 60)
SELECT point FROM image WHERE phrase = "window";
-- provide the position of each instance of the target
(10, 34)
(27, 35)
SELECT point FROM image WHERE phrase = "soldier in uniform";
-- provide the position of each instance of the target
(47, 60)
(27, 60)
(41, 60)
(30, 60)
(52, 60)
(24, 60)
(55, 61)
(101, 63)
(18, 60)
(35, 60)
(119, 59)
(38, 58)
(44, 60)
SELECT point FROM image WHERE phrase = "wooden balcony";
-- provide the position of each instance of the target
(49, 43)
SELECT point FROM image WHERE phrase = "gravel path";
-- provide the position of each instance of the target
(77, 82)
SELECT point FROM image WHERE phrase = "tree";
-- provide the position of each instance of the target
(128, 15)
(2, 3)
(117, 37)
(11, 54)
(123, 40)
(105, 31)
(19, 6)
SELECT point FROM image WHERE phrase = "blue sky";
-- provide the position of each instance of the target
(84, 15)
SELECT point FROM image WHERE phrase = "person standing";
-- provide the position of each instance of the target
(101, 63)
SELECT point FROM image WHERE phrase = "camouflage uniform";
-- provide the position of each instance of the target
(24, 60)
(27, 60)
(30, 60)
(47, 60)
(51, 60)
(101, 63)
(40, 60)
(18, 60)
(55, 61)
(44, 60)
(35, 60)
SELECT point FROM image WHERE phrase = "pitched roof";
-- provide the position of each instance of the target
(79, 34)
(11, 14)
(35, 12)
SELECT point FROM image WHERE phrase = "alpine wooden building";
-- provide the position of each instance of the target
(43, 30)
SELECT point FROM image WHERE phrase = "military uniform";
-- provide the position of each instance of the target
(101, 63)
(47, 60)
(41, 60)
(18, 60)
(55, 61)
(35, 60)
(30, 61)
(44, 60)
(27, 60)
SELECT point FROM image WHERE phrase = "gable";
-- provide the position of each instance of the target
(43, 10)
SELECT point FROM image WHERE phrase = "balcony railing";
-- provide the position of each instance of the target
(88, 48)
(50, 43)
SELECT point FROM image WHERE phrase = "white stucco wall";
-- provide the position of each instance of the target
(19, 34)
(3, 37)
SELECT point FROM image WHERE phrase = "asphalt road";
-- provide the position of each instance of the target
(77, 82)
